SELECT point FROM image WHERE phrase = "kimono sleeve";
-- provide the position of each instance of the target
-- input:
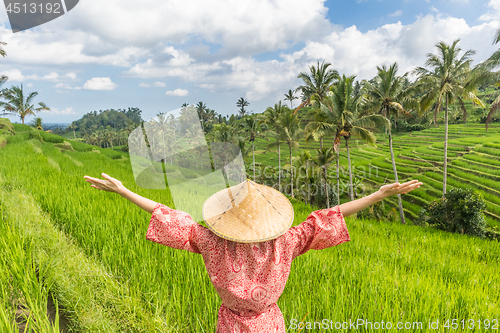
(173, 228)
(322, 229)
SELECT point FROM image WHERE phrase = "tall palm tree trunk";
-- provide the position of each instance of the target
(279, 166)
(308, 187)
(326, 187)
(435, 114)
(351, 190)
(400, 203)
(291, 169)
(445, 145)
(253, 154)
(338, 176)
(321, 143)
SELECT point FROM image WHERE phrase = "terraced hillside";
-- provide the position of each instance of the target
(473, 161)
(90, 250)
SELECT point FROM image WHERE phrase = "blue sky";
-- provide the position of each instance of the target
(114, 54)
(371, 14)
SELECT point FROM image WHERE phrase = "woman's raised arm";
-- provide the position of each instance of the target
(111, 184)
(385, 191)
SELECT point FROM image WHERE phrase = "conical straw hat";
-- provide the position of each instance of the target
(248, 213)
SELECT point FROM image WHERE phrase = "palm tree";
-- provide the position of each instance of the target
(290, 96)
(492, 63)
(323, 158)
(449, 77)
(242, 103)
(201, 109)
(386, 94)
(343, 108)
(16, 102)
(160, 125)
(2, 51)
(303, 162)
(316, 84)
(72, 127)
(270, 117)
(37, 123)
(251, 126)
(224, 133)
(318, 128)
(291, 134)
(3, 78)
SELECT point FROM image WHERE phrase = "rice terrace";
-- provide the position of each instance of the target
(75, 259)
(94, 260)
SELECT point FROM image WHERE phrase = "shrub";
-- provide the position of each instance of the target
(35, 134)
(405, 127)
(461, 210)
(375, 211)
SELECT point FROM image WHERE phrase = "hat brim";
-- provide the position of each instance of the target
(248, 213)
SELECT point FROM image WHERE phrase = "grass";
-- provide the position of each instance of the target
(388, 271)
(24, 284)
(489, 151)
(482, 158)
(104, 303)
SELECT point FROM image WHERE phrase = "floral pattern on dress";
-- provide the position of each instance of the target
(249, 277)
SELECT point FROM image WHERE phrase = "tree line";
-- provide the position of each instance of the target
(339, 107)
(332, 105)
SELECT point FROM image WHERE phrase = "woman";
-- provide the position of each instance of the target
(249, 246)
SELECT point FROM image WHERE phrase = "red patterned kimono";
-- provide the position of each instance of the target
(249, 277)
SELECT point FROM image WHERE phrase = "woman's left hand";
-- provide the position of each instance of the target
(109, 184)
(397, 188)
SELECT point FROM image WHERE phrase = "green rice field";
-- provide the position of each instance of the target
(87, 248)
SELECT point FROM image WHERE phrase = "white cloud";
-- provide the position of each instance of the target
(349, 50)
(99, 83)
(65, 112)
(14, 75)
(118, 32)
(66, 86)
(65, 47)
(151, 44)
(257, 25)
(177, 92)
(155, 84)
(396, 13)
(17, 75)
(493, 13)
(354, 52)
(29, 85)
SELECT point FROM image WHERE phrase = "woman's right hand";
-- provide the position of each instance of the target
(109, 184)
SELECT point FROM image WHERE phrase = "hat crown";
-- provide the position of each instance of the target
(248, 212)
